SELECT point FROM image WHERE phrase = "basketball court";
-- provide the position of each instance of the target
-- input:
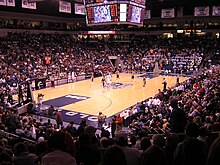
(85, 100)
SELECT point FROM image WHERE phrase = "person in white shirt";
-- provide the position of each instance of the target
(73, 77)
(69, 78)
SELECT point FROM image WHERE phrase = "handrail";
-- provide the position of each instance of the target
(11, 135)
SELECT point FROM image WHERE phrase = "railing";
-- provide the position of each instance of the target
(14, 136)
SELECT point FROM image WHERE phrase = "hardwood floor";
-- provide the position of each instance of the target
(107, 100)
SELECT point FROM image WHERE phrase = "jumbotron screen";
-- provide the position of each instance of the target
(141, 2)
(102, 12)
(135, 14)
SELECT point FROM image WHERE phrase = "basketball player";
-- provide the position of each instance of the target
(92, 77)
(178, 79)
(117, 75)
(110, 77)
(103, 81)
(144, 82)
(108, 80)
(132, 76)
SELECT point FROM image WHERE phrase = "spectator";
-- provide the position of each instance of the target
(177, 117)
(22, 155)
(51, 110)
(113, 126)
(154, 155)
(59, 118)
(101, 120)
(81, 127)
(114, 155)
(58, 150)
(191, 151)
(213, 156)
(71, 129)
(132, 154)
(86, 153)
(119, 122)
(145, 143)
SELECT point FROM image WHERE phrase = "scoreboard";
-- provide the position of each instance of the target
(102, 12)
(135, 14)
(141, 2)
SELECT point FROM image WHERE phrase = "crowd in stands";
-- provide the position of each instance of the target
(179, 125)
(179, 55)
(198, 96)
(69, 147)
(62, 50)
(27, 53)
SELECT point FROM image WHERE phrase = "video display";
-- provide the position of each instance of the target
(115, 13)
(136, 14)
(102, 14)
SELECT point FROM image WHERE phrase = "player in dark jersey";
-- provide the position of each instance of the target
(144, 82)
(117, 75)
(103, 81)
(132, 76)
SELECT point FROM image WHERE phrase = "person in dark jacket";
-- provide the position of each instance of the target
(178, 119)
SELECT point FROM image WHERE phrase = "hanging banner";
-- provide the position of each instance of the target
(27, 5)
(168, 13)
(64, 7)
(147, 14)
(2, 2)
(216, 10)
(79, 9)
(7, 3)
(11, 3)
(201, 11)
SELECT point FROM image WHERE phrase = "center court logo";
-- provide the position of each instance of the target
(117, 85)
